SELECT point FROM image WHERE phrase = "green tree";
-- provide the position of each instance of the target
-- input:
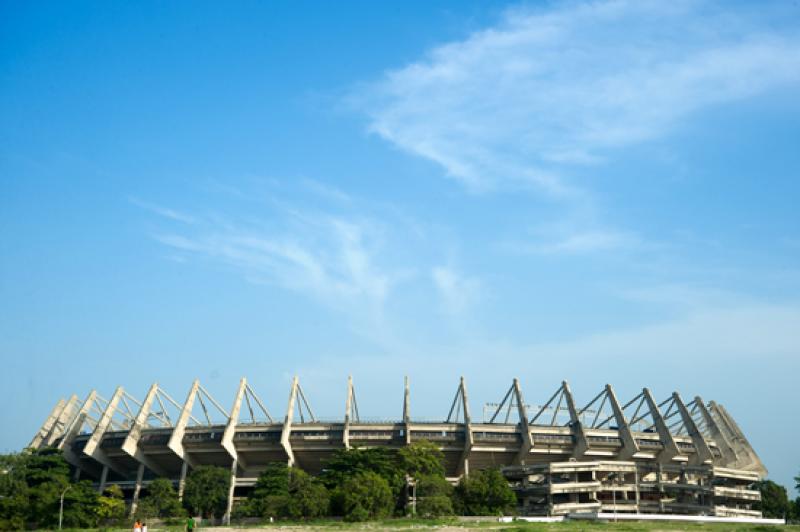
(270, 494)
(484, 492)
(434, 496)
(206, 491)
(367, 495)
(111, 505)
(308, 498)
(81, 503)
(422, 458)
(13, 493)
(774, 499)
(45, 472)
(281, 491)
(161, 501)
(347, 463)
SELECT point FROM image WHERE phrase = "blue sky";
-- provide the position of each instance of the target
(598, 192)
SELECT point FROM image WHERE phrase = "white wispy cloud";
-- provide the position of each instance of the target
(328, 258)
(456, 290)
(572, 236)
(164, 212)
(513, 104)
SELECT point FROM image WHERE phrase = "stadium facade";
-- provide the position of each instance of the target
(642, 456)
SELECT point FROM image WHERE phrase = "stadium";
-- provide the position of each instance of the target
(639, 457)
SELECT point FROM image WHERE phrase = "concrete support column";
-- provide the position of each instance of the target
(103, 479)
(48, 425)
(348, 408)
(182, 481)
(524, 425)
(286, 432)
(227, 517)
(137, 490)
(407, 412)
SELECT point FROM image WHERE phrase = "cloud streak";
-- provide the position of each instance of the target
(515, 104)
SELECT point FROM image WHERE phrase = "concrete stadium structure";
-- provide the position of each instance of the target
(643, 456)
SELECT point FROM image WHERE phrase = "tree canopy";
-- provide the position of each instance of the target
(206, 490)
(774, 500)
(160, 501)
(484, 492)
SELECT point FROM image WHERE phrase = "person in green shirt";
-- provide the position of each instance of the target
(190, 524)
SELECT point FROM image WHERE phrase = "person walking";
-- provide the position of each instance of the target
(190, 524)
(137, 526)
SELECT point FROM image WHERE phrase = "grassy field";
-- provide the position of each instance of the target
(454, 525)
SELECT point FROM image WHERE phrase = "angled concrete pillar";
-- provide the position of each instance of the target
(103, 478)
(407, 411)
(176, 439)
(726, 450)
(670, 449)
(182, 480)
(527, 439)
(62, 420)
(629, 445)
(469, 440)
(77, 421)
(348, 409)
(230, 428)
(747, 456)
(131, 444)
(287, 423)
(137, 489)
(231, 489)
(92, 448)
(702, 451)
(578, 432)
(48, 424)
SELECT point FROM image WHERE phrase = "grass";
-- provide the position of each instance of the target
(457, 525)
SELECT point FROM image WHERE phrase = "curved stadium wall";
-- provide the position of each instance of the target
(642, 456)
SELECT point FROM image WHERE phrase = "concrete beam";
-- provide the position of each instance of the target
(48, 424)
(62, 421)
(578, 432)
(131, 444)
(752, 462)
(407, 411)
(724, 446)
(137, 490)
(176, 439)
(287, 423)
(469, 441)
(670, 446)
(226, 519)
(92, 447)
(702, 451)
(348, 409)
(230, 428)
(527, 439)
(77, 422)
(629, 445)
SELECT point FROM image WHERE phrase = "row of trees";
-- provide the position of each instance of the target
(357, 484)
(31, 487)
(775, 501)
(364, 484)
(32, 484)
